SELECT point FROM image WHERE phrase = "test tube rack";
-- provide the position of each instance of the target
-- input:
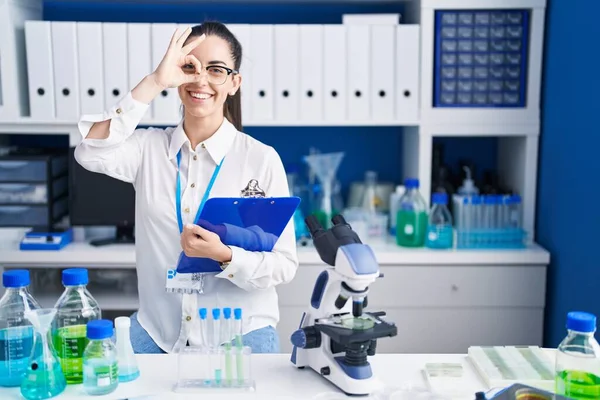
(501, 366)
(221, 369)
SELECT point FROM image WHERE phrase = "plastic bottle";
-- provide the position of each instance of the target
(395, 206)
(468, 187)
(439, 229)
(411, 219)
(128, 367)
(100, 365)
(370, 201)
(16, 332)
(578, 359)
(75, 308)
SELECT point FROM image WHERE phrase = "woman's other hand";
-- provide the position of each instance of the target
(199, 242)
(172, 71)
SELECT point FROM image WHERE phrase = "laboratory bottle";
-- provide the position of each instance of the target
(128, 366)
(16, 332)
(439, 228)
(411, 219)
(395, 206)
(370, 202)
(468, 187)
(578, 359)
(514, 211)
(75, 308)
(100, 363)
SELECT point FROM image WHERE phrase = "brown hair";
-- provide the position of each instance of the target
(232, 109)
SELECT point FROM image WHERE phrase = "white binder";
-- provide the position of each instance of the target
(334, 73)
(383, 71)
(311, 72)
(242, 34)
(139, 56)
(91, 67)
(114, 40)
(358, 45)
(165, 107)
(371, 19)
(407, 73)
(261, 42)
(66, 79)
(40, 71)
(287, 74)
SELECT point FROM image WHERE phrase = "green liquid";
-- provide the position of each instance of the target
(70, 342)
(578, 385)
(411, 227)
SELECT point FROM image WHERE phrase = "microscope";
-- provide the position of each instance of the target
(335, 334)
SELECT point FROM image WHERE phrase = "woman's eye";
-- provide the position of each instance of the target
(188, 67)
(215, 70)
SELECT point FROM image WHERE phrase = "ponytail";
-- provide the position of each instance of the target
(232, 109)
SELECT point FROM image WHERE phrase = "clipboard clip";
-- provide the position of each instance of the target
(252, 190)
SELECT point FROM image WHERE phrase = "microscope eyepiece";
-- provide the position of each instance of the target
(338, 219)
(313, 225)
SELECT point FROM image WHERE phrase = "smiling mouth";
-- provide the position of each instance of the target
(200, 95)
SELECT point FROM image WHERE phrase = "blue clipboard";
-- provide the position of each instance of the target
(251, 223)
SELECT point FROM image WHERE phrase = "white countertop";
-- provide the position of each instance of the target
(387, 253)
(277, 378)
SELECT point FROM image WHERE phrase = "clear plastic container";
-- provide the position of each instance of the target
(411, 219)
(439, 229)
(75, 308)
(16, 332)
(100, 364)
(578, 359)
(128, 367)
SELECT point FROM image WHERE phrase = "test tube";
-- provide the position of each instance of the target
(203, 313)
(515, 211)
(216, 339)
(226, 339)
(476, 221)
(216, 326)
(237, 313)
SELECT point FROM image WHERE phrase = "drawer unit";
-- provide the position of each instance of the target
(31, 193)
(32, 215)
(31, 170)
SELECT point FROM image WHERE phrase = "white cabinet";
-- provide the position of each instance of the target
(438, 308)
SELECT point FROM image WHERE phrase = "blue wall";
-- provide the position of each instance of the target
(569, 170)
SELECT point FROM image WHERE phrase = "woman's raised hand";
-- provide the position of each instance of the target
(170, 72)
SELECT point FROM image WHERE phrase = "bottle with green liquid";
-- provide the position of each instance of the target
(411, 218)
(578, 359)
(75, 308)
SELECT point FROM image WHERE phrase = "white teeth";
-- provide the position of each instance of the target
(202, 96)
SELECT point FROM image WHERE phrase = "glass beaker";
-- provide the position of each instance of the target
(44, 377)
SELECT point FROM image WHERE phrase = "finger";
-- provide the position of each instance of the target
(174, 37)
(191, 59)
(181, 40)
(193, 44)
(198, 230)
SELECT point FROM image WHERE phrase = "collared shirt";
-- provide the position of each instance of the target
(147, 158)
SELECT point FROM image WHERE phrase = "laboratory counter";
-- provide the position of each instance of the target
(277, 378)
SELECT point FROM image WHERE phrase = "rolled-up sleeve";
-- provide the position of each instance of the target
(118, 155)
(252, 270)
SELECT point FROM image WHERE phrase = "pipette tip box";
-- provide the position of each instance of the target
(501, 366)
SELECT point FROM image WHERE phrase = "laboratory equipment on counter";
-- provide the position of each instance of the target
(521, 392)
(325, 167)
(128, 367)
(411, 219)
(502, 366)
(16, 332)
(75, 308)
(335, 336)
(100, 360)
(370, 200)
(468, 187)
(299, 227)
(395, 206)
(439, 228)
(578, 359)
(44, 377)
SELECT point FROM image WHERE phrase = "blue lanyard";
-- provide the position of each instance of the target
(204, 198)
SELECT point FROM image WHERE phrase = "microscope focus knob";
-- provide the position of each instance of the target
(306, 338)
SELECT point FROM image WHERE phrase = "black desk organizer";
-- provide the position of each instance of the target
(34, 189)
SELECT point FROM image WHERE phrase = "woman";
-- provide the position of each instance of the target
(205, 153)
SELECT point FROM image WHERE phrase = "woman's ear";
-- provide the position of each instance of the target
(237, 81)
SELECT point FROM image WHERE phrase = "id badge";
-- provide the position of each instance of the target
(188, 283)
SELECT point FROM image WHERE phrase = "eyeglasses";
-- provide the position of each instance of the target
(217, 74)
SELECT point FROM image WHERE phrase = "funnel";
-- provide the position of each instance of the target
(44, 377)
(325, 167)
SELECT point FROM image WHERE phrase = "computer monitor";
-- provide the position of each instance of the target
(99, 200)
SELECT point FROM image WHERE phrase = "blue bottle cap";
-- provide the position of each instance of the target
(581, 322)
(99, 329)
(216, 313)
(439, 198)
(411, 183)
(237, 313)
(203, 313)
(515, 199)
(489, 199)
(75, 277)
(227, 313)
(476, 200)
(15, 278)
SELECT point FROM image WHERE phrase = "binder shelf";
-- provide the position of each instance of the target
(33, 189)
(480, 58)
